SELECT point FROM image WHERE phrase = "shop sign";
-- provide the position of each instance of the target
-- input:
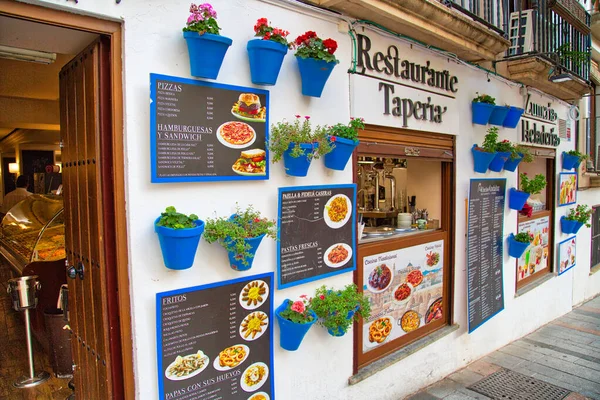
(203, 131)
(485, 254)
(544, 112)
(538, 133)
(216, 341)
(396, 85)
(316, 233)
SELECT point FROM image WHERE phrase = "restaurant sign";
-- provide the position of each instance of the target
(538, 125)
(395, 85)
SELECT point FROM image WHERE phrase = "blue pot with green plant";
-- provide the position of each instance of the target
(338, 309)
(513, 117)
(483, 155)
(572, 159)
(482, 107)
(178, 235)
(498, 115)
(343, 140)
(517, 244)
(295, 319)
(576, 218)
(518, 198)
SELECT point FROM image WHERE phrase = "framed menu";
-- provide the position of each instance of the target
(566, 255)
(485, 252)
(537, 256)
(317, 228)
(216, 341)
(204, 131)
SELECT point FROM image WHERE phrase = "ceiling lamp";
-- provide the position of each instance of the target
(13, 168)
(558, 78)
(14, 53)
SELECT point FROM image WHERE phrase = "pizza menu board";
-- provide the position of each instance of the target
(204, 131)
(485, 250)
(316, 233)
(536, 257)
(215, 342)
(405, 290)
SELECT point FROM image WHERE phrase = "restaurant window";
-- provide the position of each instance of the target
(537, 260)
(595, 237)
(405, 200)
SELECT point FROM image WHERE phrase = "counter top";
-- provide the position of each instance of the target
(395, 235)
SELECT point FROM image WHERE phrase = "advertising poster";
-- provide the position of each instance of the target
(215, 342)
(567, 192)
(204, 131)
(405, 290)
(566, 255)
(317, 226)
(536, 257)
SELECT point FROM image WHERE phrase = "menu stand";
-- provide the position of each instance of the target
(24, 292)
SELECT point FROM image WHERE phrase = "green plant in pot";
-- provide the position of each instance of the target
(518, 153)
(517, 244)
(572, 159)
(240, 234)
(338, 309)
(576, 218)
(482, 106)
(518, 198)
(483, 155)
(503, 152)
(343, 139)
(178, 235)
(298, 144)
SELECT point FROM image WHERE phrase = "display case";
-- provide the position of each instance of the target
(33, 230)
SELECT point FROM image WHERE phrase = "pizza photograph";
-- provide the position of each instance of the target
(236, 134)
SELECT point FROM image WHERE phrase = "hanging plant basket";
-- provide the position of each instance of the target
(513, 117)
(341, 153)
(499, 115)
(499, 160)
(517, 199)
(206, 52)
(179, 245)
(515, 248)
(337, 332)
(292, 333)
(569, 226)
(266, 58)
(236, 262)
(314, 74)
(481, 112)
(481, 159)
(569, 161)
(511, 164)
(298, 166)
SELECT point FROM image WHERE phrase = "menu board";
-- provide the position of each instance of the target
(405, 290)
(485, 250)
(317, 227)
(204, 131)
(566, 255)
(536, 257)
(215, 342)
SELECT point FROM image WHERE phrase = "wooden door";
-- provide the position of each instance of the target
(89, 232)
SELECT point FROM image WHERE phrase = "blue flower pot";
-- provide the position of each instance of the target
(513, 117)
(266, 57)
(298, 166)
(481, 159)
(499, 160)
(291, 333)
(567, 225)
(516, 249)
(511, 164)
(339, 156)
(237, 263)
(339, 331)
(206, 53)
(569, 161)
(499, 115)
(179, 245)
(517, 199)
(481, 112)
(314, 74)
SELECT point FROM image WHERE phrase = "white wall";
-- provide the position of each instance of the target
(153, 43)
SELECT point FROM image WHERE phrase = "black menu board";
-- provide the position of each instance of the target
(204, 131)
(317, 227)
(216, 341)
(485, 250)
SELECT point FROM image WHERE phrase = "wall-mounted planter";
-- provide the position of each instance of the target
(291, 333)
(179, 246)
(513, 117)
(515, 248)
(236, 262)
(517, 199)
(206, 52)
(499, 160)
(298, 166)
(338, 331)
(481, 159)
(569, 226)
(511, 164)
(314, 74)
(266, 57)
(499, 115)
(481, 112)
(569, 161)
(339, 156)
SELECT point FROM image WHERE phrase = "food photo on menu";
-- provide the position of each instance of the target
(404, 288)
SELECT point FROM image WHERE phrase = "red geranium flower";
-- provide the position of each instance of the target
(260, 23)
(330, 45)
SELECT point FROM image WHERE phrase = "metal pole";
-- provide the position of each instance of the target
(29, 344)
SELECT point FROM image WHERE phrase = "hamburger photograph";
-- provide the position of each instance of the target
(249, 108)
(251, 163)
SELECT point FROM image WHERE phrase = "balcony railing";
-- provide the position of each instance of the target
(492, 13)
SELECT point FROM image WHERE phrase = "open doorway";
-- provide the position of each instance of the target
(56, 146)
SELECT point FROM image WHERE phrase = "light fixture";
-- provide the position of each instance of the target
(15, 53)
(13, 168)
(558, 78)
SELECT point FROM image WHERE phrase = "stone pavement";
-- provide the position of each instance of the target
(565, 353)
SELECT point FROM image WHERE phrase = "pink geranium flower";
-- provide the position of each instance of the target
(298, 306)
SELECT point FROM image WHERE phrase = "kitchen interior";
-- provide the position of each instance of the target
(397, 196)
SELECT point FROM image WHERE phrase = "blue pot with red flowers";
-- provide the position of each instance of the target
(266, 54)
(341, 153)
(315, 65)
(295, 320)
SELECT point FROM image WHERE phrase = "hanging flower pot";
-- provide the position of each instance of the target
(206, 52)
(512, 163)
(499, 115)
(482, 159)
(314, 74)
(178, 244)
(499, 160)
(517, 199)
(338, 309)
(576, 218)
(292, 333)
(570, 161)
(240, 262)
(517, 248)
(298, 166)
(481, 112)
(266, 58)
(567, 225)
(513, 117)
(338, 330)
(339, 156)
